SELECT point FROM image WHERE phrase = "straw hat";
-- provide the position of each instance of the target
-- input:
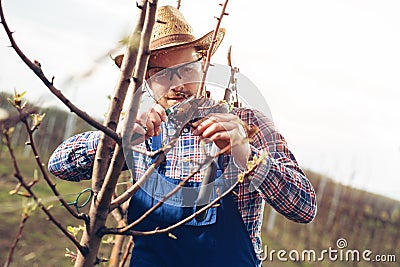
(171, 31)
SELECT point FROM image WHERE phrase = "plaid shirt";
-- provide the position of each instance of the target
(279, 181)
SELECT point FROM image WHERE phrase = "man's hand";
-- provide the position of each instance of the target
(224, 130)
(151, 120)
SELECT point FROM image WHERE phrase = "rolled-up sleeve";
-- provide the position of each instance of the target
(73, 159)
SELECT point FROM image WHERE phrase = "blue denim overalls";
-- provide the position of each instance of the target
(220, 239)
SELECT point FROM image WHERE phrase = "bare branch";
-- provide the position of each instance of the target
(251, 166)
(135, 187)
(46, 177)
(130, 117)
(117, 231)
(21, 180)
(229, 56)
(106, 145)
(201, 90)
(165, 198)
(49, 84)
(11, 121)
(176, 189)
(127, 252)
(24, 218)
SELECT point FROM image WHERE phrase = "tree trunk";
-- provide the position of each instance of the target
(105, 177)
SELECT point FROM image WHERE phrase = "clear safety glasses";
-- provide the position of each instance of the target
(186, 72)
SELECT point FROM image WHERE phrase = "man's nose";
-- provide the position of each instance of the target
(178, 88)
(175, 80)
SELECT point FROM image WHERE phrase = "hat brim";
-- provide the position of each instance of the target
(203, 43)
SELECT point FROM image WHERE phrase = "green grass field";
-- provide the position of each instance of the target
(41, 244)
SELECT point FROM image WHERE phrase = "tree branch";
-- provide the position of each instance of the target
(175, 190)
(201, 90)
(24, 218)
(165, 198)
(117, 231)
(106, 145)
(127, 252)
(251, 166)
(46, 177)
(21, 180)
(117, 247)
(35, 67)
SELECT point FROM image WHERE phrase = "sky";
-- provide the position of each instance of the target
(329, 70)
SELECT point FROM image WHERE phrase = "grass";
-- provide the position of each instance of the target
(42, 244)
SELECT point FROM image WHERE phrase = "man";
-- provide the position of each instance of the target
(228, 234)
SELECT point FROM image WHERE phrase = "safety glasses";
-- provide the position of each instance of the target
(186, 72)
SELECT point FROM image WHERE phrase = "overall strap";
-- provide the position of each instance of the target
(156, 142)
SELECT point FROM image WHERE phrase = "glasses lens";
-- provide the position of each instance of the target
(187, 72)
(161, 76)
(190, 72)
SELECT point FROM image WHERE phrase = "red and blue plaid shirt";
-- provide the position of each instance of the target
(279, 181)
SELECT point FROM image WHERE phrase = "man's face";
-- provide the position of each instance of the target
(174, 76)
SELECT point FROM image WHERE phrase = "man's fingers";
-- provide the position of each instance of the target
(161, 112)
(152, 120)
(213, 124)
(212, 128)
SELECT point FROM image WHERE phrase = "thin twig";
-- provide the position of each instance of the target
(49, 84)
(176, 188)
(117, 231)
(24, 218)
(21, 180)
(46, 177)
(128, 249)
(201, 90)
(135, 187)
(249, 169)
(162, 201)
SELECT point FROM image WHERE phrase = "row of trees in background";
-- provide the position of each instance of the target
(56, 127)
(365, 221)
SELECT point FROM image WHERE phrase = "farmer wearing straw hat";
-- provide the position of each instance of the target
(229, 233)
